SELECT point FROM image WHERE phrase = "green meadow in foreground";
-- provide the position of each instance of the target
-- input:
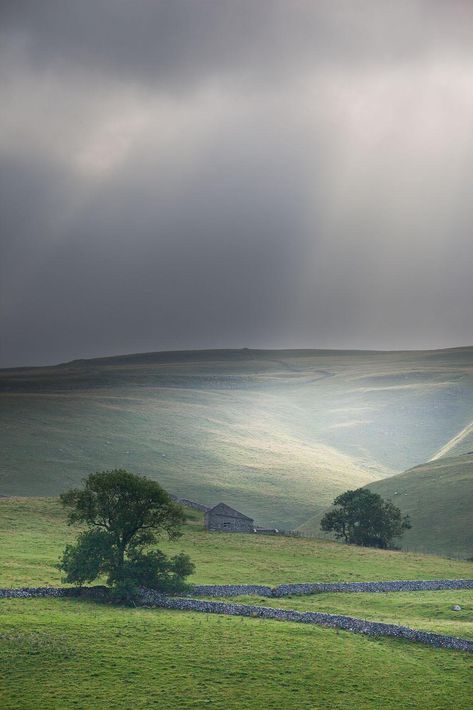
(66, 653)
(34, 533)
(61, 654)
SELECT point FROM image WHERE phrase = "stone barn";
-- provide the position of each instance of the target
(222, 518)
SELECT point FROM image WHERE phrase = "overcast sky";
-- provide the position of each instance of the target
(230, 173)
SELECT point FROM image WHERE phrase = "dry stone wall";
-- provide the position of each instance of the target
(151, 598)
(29, 592)
(230, 590)
(347, 623)
(235, 590)
(191, 504)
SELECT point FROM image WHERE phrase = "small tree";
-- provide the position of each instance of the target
(361, 517)
(124, 514)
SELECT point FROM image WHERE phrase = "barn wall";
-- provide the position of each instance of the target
(222, 523)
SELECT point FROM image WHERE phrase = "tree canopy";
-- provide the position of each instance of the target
(123, 514)
(361, 517)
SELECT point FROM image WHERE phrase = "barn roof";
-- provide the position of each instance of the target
(224, 509)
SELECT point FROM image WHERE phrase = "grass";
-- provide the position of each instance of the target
(276, 434)
(429, 611)
(438, 496)
(34, 532)
(63, 654)
(203, 445)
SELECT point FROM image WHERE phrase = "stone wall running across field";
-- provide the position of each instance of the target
(347, 623)
(284, 590)
(29, 592)
(191, 504)
(151, 598)
(230, 590)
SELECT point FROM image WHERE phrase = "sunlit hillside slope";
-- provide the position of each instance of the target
(274, 433)
(438, 496)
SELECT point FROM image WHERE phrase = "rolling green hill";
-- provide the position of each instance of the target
(70, 653)
(34, 533)
(438, 496)
(276, 434)
(461, 443)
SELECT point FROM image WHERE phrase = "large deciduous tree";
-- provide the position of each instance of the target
(123, 515)
(361, 517)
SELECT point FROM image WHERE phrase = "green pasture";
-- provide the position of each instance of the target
(438, 496)
(33, 533)
(66, 653)
(429, 611)
(61, 654)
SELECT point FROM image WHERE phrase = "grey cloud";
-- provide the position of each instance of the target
(177, 42)
(227, 174)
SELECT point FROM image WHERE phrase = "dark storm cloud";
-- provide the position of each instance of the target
(212, 174)
(183, 40)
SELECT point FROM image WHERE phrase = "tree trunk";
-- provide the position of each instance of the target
(120, 560)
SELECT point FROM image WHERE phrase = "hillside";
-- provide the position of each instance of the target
(438, 496)
(461, 443)
(276, 434)
(34, 533)
(76, 654)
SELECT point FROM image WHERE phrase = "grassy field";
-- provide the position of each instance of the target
(61, 654)
(438, 496)
(429, 611)
(276, 434)
(33, 533)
